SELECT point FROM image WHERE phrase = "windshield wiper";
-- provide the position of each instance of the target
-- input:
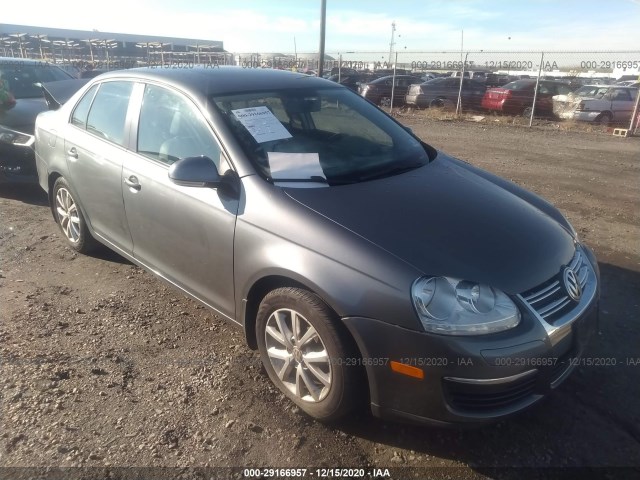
(314, 178)
(359, 176)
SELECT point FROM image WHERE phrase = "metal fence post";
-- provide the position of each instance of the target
(339, 68)
(393, 84)
(635, 114)
(535, 92)
(459, 104)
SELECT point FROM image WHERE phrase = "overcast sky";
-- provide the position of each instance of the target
(272, 25)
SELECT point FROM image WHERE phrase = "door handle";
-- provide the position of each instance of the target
(72, 152)
(132, 182)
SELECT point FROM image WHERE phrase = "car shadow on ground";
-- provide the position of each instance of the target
(591, 420)
(24, 192)
(103, 253)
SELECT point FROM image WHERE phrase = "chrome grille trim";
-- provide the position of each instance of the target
(544, 293)
(554, 307)
(551, 305)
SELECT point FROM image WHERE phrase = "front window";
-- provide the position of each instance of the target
(171, 128)
(329, 134)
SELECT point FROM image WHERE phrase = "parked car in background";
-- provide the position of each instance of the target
(362, 263)
(480, 75)
(629, 83)
(20, 80)
(91, 73)
(349, 80)
(498, 79)
(516, 98)
(634, 77)
(604, 104)
(379, 90)
(443, 92)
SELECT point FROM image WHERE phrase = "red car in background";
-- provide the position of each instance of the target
(516, 98)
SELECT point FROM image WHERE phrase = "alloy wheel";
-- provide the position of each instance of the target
(298, 355)
(68, 216)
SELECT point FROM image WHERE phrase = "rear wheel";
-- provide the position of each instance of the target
(604, 119)
(385, 102)
(70, 219)
(305, 355)
(441, 103)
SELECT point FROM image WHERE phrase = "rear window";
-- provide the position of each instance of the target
(519, 85)
(109, 111)
(23, 80)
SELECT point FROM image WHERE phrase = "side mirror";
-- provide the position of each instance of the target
(195, 172)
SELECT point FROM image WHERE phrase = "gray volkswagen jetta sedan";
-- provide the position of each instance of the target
(364, 265)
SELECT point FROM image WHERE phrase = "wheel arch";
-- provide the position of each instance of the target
(53, 176)
(262, 286)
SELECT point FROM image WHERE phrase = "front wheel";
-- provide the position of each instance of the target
(70, 219)
(305, 355)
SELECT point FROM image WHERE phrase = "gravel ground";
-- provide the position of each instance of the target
(105, 367)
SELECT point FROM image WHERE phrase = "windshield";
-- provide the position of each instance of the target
(23, 80)
(330, 135)
(591, 91)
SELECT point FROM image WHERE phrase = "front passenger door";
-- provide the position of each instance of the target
(183, 233)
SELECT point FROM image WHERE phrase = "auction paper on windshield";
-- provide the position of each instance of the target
(261, 124)
(295, 166)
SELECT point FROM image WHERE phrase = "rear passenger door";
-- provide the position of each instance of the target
(183, 233)
(95, 147)
(621, 104)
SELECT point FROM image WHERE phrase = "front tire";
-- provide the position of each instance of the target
(305, 355)
(70, 219)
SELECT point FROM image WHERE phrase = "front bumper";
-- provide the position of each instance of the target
(17, 163)
(581, 116)
(473, 379)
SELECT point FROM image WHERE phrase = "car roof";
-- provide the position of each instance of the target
(388, 77)
(204, 80)
(26, 61)
(626, 87)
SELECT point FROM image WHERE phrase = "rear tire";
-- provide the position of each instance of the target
(69, 217)
(385, 102)
(442, 103)
(305, 355)
(604, 119)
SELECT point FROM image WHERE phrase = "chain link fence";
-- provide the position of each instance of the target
(467, 82)
(572, 86)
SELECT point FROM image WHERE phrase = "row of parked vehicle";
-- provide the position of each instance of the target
(599, 103)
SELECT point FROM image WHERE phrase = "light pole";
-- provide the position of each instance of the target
(323, 23)
(392, 42)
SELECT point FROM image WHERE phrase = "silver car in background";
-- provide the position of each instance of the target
(603, 104)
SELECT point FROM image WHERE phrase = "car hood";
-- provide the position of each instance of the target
(445, 219)
(22, 117)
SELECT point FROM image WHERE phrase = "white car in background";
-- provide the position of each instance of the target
(603, 104)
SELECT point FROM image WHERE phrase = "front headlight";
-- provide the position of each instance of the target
(458, 307)
(15, 138)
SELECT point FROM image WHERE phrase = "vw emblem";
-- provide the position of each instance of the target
(571, 284)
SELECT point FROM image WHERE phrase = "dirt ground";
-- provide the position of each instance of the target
(104, 366)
